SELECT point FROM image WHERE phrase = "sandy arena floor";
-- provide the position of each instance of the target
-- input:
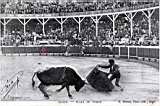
(140, 81)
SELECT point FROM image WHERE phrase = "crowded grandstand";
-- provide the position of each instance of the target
(144, 29)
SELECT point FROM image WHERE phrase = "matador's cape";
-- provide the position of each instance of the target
(99, 80)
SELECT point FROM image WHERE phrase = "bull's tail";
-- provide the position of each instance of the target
(33, 82)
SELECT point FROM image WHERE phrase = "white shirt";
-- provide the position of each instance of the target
(154, 40)
(141, 40)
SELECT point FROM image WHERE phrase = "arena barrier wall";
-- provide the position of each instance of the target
(120, 51)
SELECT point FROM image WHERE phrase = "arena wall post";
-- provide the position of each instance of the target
(5, 22)
(79, 23)
(80, 20)
(131, 21)
(62, 21)
(96, 21)
(148, 15)
(113, 21)
(128, 52)
(0, 27)
(150, 12)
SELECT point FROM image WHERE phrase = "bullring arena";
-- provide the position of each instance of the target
(140, 81)
(29, 38)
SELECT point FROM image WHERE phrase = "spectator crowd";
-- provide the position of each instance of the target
(53, 34)
(54, 7)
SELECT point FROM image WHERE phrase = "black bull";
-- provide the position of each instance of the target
(64, 76)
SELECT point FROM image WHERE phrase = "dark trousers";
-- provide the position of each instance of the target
(117, 77)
